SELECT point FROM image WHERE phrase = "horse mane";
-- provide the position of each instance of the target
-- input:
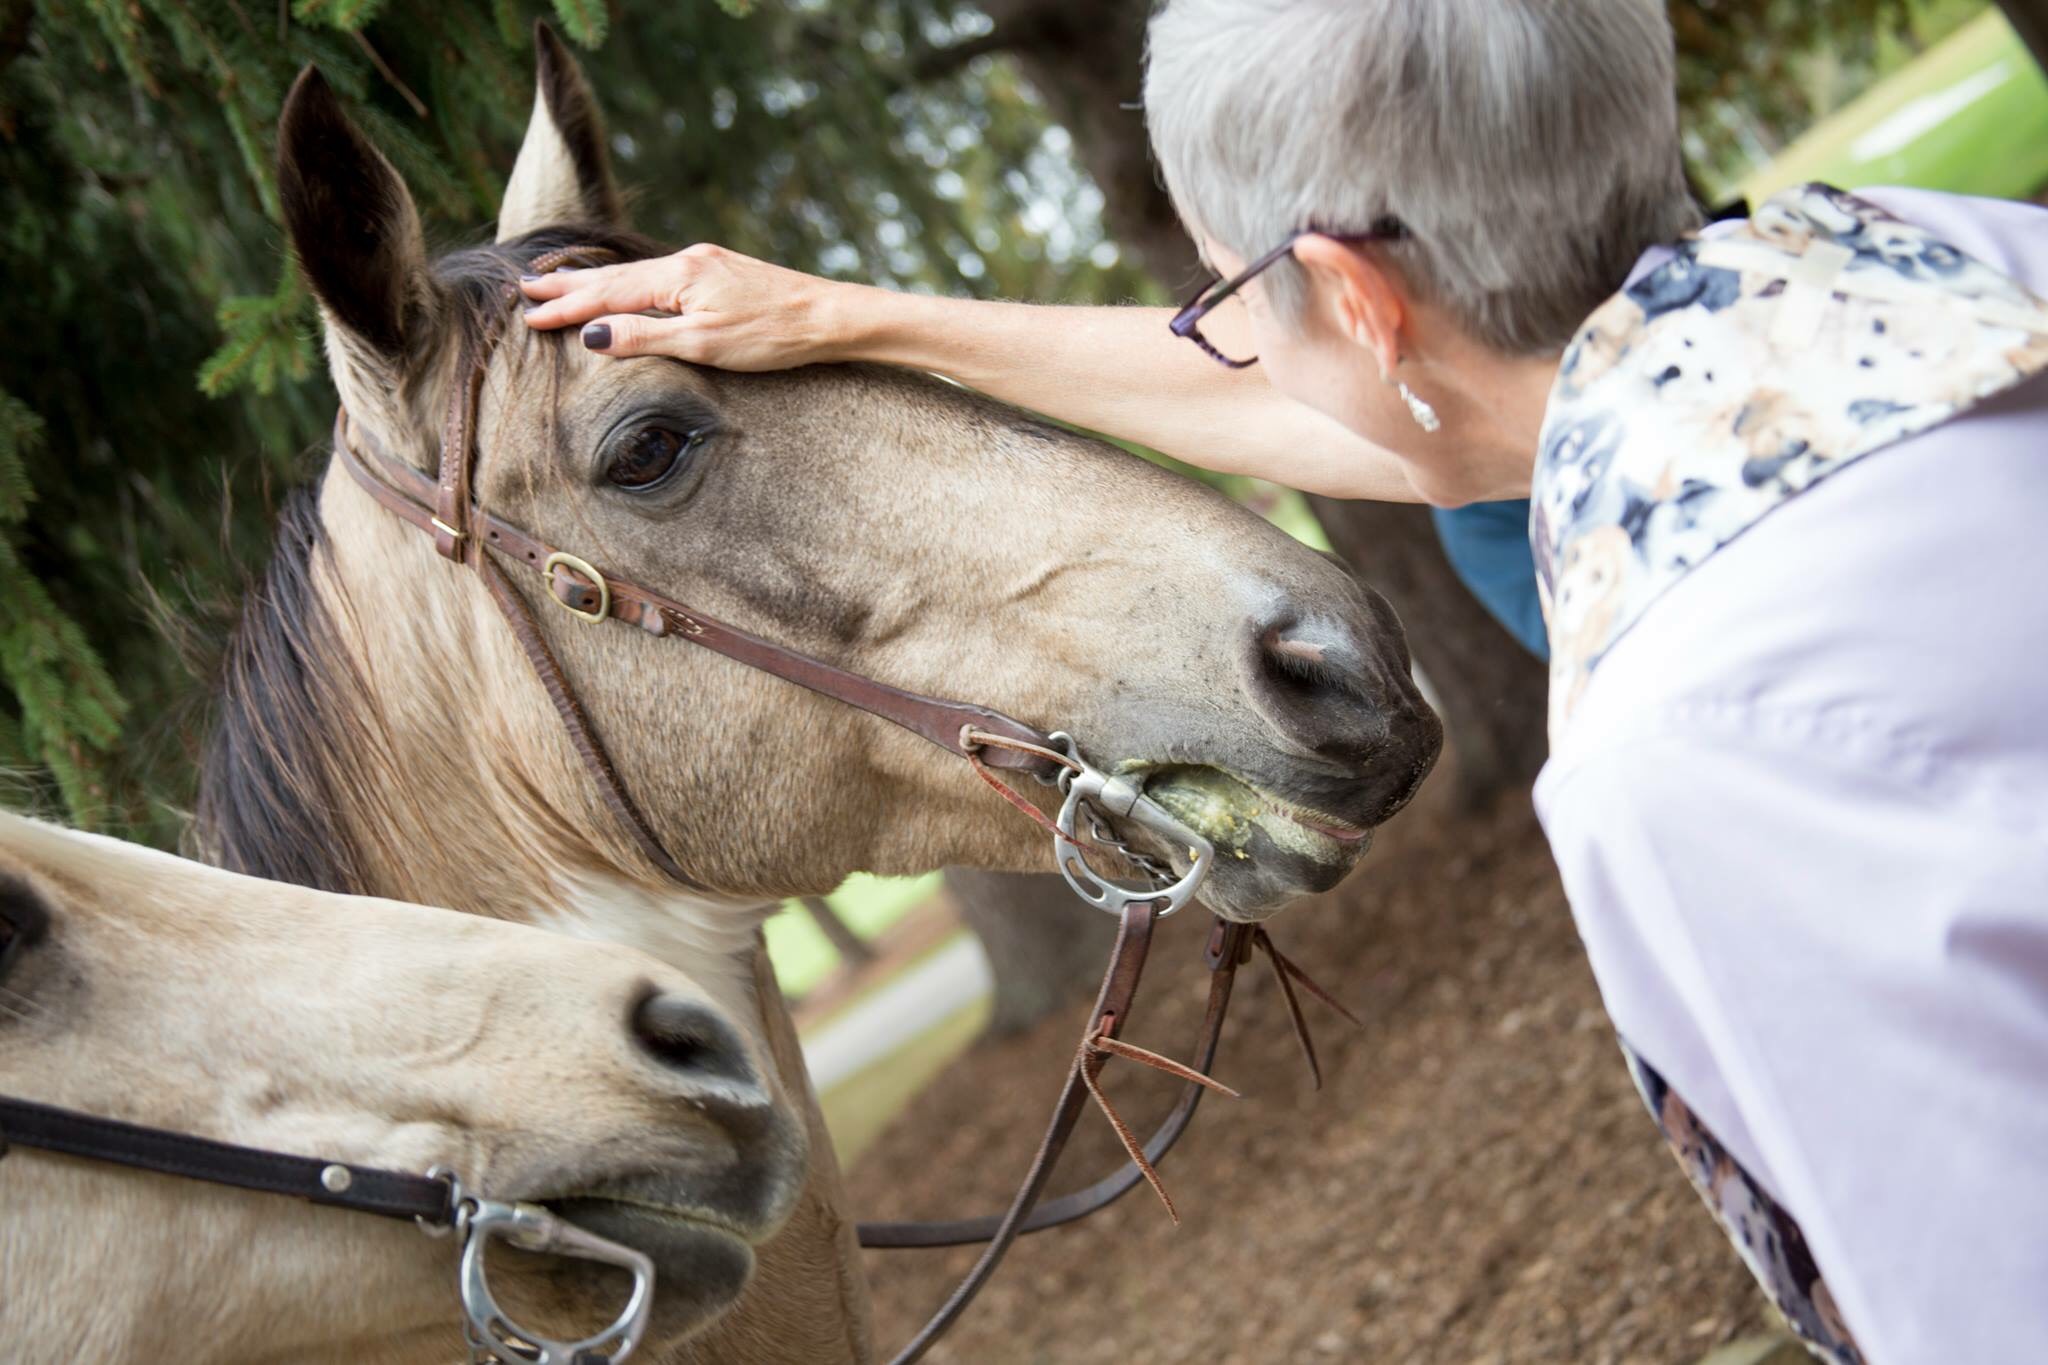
(268, 800)
(286, 742)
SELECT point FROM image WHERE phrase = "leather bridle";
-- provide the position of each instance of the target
(465, 533)
(436, 1201)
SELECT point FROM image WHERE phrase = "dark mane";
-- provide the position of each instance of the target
(268, 803)
(287, 736)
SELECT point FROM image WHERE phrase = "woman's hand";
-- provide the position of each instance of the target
(720, 308)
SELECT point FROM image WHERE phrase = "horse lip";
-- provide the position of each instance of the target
(1316, 822)
(657, 1194)
(701, 1264)
(1334, 828)
(696, 1216)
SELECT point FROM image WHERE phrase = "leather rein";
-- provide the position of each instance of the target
(464, 533)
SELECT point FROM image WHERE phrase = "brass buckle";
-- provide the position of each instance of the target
(587, 570)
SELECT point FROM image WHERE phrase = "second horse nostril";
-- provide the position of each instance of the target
(690, 1038)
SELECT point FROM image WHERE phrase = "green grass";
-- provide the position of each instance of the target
(1290, 512)
(1969, 117)
(869, 905)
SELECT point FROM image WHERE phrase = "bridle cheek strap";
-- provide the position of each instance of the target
(576, 723)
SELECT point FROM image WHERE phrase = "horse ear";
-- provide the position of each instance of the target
(357, 236)
(563, 174)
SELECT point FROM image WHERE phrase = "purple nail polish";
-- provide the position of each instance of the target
(528, 279)
(597, 336)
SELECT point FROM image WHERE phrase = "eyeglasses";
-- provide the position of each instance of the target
(1187, 322)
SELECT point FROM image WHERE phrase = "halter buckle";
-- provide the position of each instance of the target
(493, 1336)
(1124, 799)
(562, 560)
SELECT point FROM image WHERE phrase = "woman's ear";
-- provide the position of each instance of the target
(564, 174)
(358, 240)
(1359, 299)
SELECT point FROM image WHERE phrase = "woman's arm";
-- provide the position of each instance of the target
(1114, 370)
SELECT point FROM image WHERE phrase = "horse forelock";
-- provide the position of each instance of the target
(482, 281)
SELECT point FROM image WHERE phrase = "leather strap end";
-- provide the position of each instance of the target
(1229, 946)
(573, 593)
(635, 611)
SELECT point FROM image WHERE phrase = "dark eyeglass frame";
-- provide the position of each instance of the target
(1187, 322)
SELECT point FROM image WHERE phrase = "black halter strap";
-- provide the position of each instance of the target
(360, 1189)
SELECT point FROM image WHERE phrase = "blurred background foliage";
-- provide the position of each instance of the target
(1754, 73)
(159, 380)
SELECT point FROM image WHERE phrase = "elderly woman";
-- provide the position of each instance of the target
(1788, 476)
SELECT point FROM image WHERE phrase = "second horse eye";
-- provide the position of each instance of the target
(647, 457)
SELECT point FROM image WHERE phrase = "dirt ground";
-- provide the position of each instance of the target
(1477, 1183)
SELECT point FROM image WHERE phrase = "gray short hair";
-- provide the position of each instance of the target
(1530, 147)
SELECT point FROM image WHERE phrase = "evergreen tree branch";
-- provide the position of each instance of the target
(419, 106)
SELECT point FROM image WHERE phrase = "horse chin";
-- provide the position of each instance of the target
(700, 1267)
(1269, 852)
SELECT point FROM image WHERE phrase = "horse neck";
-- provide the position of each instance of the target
(476, 802)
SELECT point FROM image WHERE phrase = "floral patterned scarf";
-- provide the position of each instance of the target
(1736, 376)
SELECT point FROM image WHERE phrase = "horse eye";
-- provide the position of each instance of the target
(648, 456)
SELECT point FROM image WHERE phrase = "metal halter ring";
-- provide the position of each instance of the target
(492, 1335)
(1125, 800)
(561, 559)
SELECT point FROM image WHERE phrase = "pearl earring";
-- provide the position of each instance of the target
(1419, 408)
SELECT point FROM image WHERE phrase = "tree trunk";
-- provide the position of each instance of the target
(2030, 20)
(1044, 945)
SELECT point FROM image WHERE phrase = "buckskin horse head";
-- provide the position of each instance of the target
(141, 988)
(381, 729)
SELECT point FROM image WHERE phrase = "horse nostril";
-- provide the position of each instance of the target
(1286, 649)
(1310, 680)
(1334, 680)
(690, 1039)
(747, 1149)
